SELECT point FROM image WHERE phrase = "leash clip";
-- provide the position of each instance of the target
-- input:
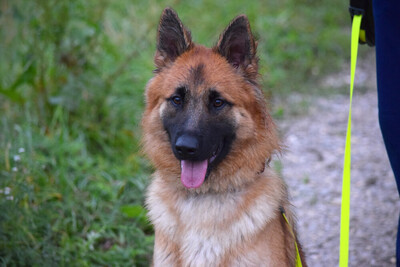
(356, 11)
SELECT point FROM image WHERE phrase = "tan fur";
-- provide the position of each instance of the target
(234, 218)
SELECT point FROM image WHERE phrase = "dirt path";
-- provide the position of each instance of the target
(312, 167)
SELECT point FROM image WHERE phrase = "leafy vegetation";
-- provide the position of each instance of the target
(72, 76)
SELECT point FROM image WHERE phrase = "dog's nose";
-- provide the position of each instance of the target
(187, 146)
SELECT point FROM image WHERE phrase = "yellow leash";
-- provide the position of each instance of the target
(345, 214)
(298, 259)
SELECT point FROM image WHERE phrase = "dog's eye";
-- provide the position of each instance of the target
(218, 103)
(177, 100)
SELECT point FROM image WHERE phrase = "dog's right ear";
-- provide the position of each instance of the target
(238, 46)
(173, 39)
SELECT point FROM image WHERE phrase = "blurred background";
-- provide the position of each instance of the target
(72, 77)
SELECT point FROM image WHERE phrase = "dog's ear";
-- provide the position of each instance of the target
(237, 45)
(172, 38)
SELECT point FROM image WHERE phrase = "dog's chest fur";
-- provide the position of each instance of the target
(202, 229)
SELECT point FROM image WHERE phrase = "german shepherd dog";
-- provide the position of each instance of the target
(213, 200)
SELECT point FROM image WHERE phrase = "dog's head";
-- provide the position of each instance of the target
(206, 119)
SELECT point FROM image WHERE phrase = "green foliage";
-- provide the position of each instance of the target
(72, 76)
(66, 206)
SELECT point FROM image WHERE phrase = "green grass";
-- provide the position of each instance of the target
(72, 76)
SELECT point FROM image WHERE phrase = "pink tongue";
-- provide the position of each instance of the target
(193, 173)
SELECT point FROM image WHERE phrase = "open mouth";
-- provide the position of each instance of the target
(193, 173)
(215, 154)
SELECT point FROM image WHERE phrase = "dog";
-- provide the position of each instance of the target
(213, 200)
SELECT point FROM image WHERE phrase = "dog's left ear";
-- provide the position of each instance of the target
(173, 39)
(237, 45)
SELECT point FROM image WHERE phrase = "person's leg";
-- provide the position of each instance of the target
(387, 41)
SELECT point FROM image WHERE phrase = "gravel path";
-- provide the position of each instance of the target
(312, 167)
